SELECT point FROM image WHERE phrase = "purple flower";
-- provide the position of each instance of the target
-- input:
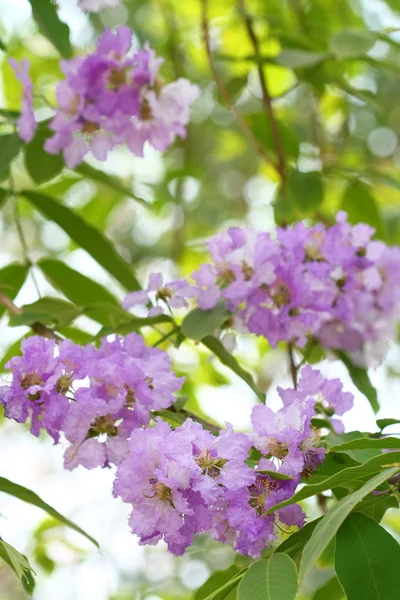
(26, 123)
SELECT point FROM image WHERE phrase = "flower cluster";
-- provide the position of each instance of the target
(96, 397)
(186, 481)
(333, 284)
(112, 97)
(180, 481)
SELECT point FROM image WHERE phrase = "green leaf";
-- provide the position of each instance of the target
(383, 423)
(135, 324)
(10, 145)
(3, 47)
(109, 180)
(229, 361)
(76, 335)
(361, 380)
(305, 190)
(49, 311)
(89, 238)
(352, 43)
(200, 323)
(375, 506)
(367, 560)
(41, 165)
(362, 207)
(295, 543)
(346, 478)
(360, 456)
(45, 14)
(365, 442)
(330, 523)
(13, 350)
(216, 581)
(19, 564)
(23, 493)
(299, 59)
(272, 579)
(12, 278)
(4, 195)
(332, 590)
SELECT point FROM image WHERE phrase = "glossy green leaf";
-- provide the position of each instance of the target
(41, 165)
(114, 183)
(349, 477)
(89, 238)
(19, 564)
(361, 380)
(329, 525)
(57, 32)
(367, 560)
(217, 348)
(23, 493)
(332, 590)
(351, 43)
(12, 278)
(200, 323)
(272, 579)
(365, 442)
(48, 311)
(10, 145)
(361, 206)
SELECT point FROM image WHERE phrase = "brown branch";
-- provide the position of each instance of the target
(37, 327)
(241, 121)
(267, 100)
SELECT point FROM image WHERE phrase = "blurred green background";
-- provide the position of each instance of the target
(332, 69)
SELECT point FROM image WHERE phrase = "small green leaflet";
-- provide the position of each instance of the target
(19, 564)
(361, 380)
(12, 278)
(200, 323)
(45, 14)
(272, 579)
(10, 145)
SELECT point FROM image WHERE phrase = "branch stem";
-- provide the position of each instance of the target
(37, 327)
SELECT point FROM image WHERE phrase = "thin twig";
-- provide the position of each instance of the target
(267, 100)
(37, 327)
(293, 368)
(241, 121)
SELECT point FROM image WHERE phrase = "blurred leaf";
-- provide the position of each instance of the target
(332, 590)
(4, 195)
(361, 380)
(272, 579)
(299, 59)
(199, 323)
(305, 190)
(109, 180)
(57, 32)
(229, 361)
(327, 528)
(383, 423)
(367, 560)
(352, 43)
(19, 565)
(3, 46)
(365, 442)
(76, 335)
(349, 477)
(41, 165)
(13, 350)
(135, 324)
(49, 311)
(216, 581)
(10, 145)
(262, 130)
(12, 278)
(89, 238)
(362, 207)
(23, 493)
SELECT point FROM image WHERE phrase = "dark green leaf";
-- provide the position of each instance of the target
(41, 165)
(330, 523)
(200, 323)
(109, 180)
(89, 238)
(367, 560)
(3, 46)
(305, 190)
(10, 145)
(19, 564)
(295, 543)
(362, 207)
(375, 506)
(351, 43)
(229, 361)
(361, 380)
(383, 423)
(49, 311)
(360, 456)
(349, 477)
(272, 579)
(23, 493)
(12, 278)
(45, 14)
(216, 581)
(4, 195)
(365, 442)
(332, 590)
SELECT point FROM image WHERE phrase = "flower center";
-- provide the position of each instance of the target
(101, 425)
